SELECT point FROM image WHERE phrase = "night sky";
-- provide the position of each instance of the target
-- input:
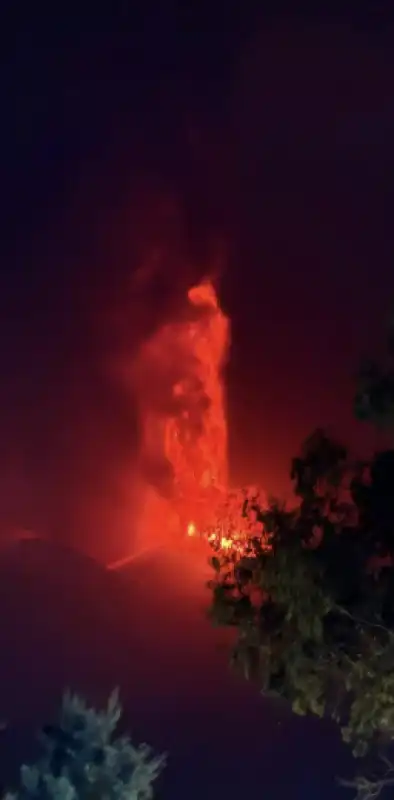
(271, 134)
(268, 135)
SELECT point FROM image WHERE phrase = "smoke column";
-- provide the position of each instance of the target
(113, 416)
(177, 380)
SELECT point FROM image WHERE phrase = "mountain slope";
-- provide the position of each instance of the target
(67, 621)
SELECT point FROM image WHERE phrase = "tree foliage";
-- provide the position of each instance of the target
(374, 400)
(314, 613)
(82, 759)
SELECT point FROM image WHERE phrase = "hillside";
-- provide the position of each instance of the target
(67, 621)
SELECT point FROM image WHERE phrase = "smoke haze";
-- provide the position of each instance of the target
(71, 331)
(290, 167)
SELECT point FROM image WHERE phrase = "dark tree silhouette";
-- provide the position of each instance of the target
(315, 612)
(83, 760)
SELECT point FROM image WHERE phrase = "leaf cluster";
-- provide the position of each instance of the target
(315, 614)
(82, 759)
(374, 399)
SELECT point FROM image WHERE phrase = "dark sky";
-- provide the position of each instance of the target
(314, 119)
(270, 131)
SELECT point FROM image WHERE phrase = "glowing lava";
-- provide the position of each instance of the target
(183, 418)
(196, 435)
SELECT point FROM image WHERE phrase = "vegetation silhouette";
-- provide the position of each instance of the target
(83, 759)
(314, 613)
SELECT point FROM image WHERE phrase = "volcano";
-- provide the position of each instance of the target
(68, 621)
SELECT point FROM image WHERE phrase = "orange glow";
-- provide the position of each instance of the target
(191, 529)
(184, 425)
(196, 434)
(225, 543)
(196, 437)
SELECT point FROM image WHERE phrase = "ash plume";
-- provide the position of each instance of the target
(70, 416)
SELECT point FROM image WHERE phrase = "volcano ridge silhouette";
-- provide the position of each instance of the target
(68, 621)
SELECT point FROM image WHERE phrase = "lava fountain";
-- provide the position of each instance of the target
(178, 381)
(178, 376)
(196, 436)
